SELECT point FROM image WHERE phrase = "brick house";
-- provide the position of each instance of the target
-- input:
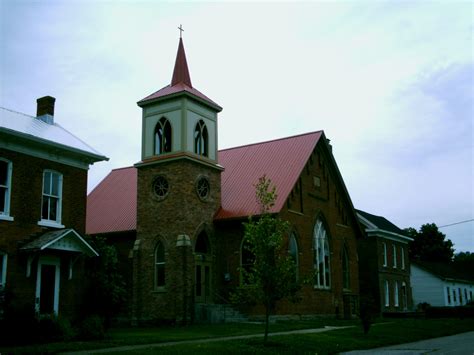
(43, 188)
(176, 216)
(384, 264)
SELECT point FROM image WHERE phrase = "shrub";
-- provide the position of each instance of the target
(92, 328)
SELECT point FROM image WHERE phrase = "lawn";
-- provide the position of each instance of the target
(385, 332)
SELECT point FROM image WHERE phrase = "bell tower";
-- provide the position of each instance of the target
(178, 194)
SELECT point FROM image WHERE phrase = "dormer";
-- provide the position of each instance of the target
(178, 120)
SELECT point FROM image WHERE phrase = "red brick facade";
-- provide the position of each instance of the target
(25, 208)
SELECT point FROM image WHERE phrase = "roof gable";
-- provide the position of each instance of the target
(379, 222)
(281, 160)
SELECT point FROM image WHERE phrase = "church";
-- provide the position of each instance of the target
(176, 217)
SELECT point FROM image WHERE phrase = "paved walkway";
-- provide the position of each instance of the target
(459, 344)
(200, 341)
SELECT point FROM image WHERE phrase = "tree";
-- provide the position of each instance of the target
(272, 274)
(464, 261)
(429, 244)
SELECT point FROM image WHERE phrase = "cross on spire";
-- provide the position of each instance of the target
(180, 28)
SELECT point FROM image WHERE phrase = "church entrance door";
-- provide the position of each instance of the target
(203, 270)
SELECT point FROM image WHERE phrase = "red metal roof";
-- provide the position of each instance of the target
(180, 82)
(112, 205)
(281, 160)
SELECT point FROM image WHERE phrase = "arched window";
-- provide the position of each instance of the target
(159, 265)
(247, 260)
(201, 140)
(293, 251)
(321, 256)
(346, 284)
(162, 136)
(202, 244)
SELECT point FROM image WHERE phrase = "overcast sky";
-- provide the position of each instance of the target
(390, 83)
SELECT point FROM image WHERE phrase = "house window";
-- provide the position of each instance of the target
(293, 251)
(460, 295)
(52, 195)
(387, 294)
(465, 295)
(3, 269)
(201, 139)
(454, 296)
(384, 253)
(448, 293)
(162, 136)
(394, 256)
(5, 186)
(321, 256)
(247, 261)
(402, 257)
(345, 269)
(470, 295)
(160, 265)
(396, 294)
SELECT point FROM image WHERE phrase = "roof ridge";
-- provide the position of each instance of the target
(18, 112)
(124, 167)
(272, 140)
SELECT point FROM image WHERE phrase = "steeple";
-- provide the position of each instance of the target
(181, 72)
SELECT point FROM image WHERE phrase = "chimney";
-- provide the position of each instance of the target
(329, 144)
(45, 109)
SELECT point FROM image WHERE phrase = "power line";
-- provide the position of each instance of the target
(453, 224)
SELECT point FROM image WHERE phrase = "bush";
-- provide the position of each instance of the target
(450, 312)
(54, 328)
(92, 328)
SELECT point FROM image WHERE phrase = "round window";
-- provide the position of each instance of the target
(203, 188)
(161, 187)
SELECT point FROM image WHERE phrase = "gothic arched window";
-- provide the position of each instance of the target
(201, 139)
(162, 136)
(247, 260)
(321, 256)
(159, 265)
(293, 251)
(346, 283)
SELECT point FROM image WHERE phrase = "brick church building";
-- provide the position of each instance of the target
(176, 216)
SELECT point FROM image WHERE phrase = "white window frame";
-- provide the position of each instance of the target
(201, 140)
(3, 269)
(5, 215)
(384, 253)
(394, 249)
(396, 294)
(322, 256)
(402, 252)
(48, 222)
(448, 293)
(387, 294)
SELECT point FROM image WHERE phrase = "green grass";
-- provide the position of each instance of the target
(381, 334)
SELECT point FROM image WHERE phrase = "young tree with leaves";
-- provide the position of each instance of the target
(272, 274)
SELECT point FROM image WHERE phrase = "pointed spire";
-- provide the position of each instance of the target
(181, 72)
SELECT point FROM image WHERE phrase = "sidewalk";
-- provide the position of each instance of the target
(199, 341)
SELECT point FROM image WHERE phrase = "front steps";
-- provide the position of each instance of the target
(218, 313)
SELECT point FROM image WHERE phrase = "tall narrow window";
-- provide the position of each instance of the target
(3, 269)
(396, 294)
(448, 293)
(5, 187)
(162, 136)
(321, 256)
(247, 261)
(201, 139)
(460, 296)
(384, 253)
(160, 265)
(52, 195)
(293, 251)
(402, 257)
(387, 294)
(345, 269)
(394, 248)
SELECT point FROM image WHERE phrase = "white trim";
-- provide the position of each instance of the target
(366, 222)
(59, 196)
(3, 266)
(66, 232)
(387, 293)
(384, 253)
(394, 261)
(52, 224)
(54, 261)
(5, 215)
(396, 303)
(389, 235)
(6, 218)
